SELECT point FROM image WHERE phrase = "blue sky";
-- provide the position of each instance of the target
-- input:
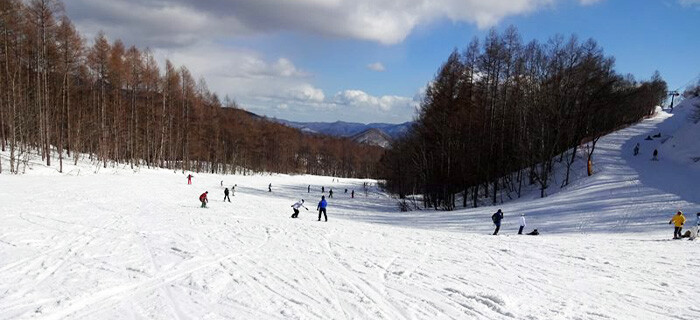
(368, 60)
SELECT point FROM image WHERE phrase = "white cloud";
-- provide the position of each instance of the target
(362, 100)
(181, 22)
(377, 66)
(689, 3)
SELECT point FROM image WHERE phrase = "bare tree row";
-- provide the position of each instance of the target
(62, 98)
(500, 115)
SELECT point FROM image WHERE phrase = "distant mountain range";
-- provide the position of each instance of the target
(379, 134)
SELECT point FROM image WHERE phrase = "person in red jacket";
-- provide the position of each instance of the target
(204, 199)
(189, 179)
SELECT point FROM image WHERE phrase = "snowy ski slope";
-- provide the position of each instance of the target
(118, 244)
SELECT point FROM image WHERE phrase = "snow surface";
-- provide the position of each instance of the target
(120, 244)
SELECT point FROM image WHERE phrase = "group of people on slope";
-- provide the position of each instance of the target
(321, 208)
(678, 220)
(655, 154)
(498, 217)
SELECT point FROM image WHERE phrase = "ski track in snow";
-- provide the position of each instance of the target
(123, 245)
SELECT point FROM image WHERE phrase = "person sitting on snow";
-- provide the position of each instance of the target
(296, 208)
(678, 220)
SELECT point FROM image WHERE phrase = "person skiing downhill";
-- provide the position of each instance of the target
(522, 223)
(678, 220)
(189, 179)
(497, 217)
(322, 208)
(226, 195)
(203, 199)
(636, 149)
(296, 208)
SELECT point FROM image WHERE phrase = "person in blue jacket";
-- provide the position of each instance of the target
(322, 208)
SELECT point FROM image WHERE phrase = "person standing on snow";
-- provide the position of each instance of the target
(656, 153)
(636, 149)
(233, 190)
(269, 187)
(322, 208)
(226, 195)
(352, 194)
(522, 223)
(330, 193)
(497, 217)
(189, 179)
(296, 208)
(323, 189)
(203, 199)
(678, 220)
(308, 189)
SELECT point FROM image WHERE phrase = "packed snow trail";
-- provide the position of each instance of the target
(123, 245)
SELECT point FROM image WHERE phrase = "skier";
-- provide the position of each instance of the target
(308, 189)
(636, 149)
(352, 194)
(204, 199)
(678, 220)
(497, 217)
(656, 153)
(269, 187)
(296, 208)
(694, 231)
(522, 223)
(330, 193)
(322, 208)
(323, 189)
(226, 195)
(189, 179)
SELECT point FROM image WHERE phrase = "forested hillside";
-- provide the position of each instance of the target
(500, 114)
(63, 96)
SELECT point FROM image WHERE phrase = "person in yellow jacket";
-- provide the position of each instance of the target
(678, 220)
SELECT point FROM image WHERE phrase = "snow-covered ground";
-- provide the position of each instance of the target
(119, 244)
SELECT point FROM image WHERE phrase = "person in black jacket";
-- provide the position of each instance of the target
(226, 195)
(497, 217)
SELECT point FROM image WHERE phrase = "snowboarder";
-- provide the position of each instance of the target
(189, 179)
(322, 208)
(534, 233)
(656, 153)
(497, 217)
(308, 189)
(296, 208)
(269, 187)
(636, 149)
(522, 223)
(203, 199)
(330, 193)
(678, 220)
(352, 194)
(226, 195)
